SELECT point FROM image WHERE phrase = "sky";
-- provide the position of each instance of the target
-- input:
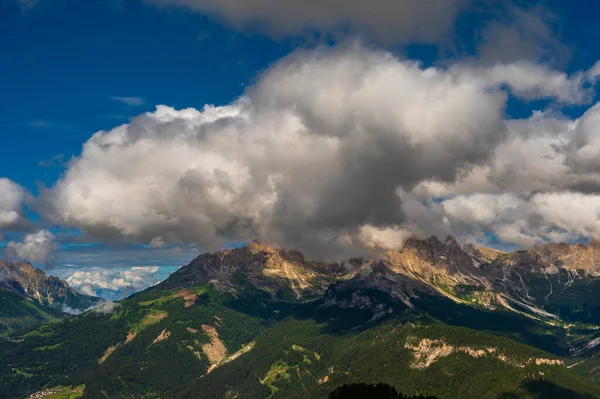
(138, 133)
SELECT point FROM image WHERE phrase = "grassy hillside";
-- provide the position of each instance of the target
(197, 342)
(17, 313)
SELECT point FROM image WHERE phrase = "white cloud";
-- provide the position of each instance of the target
(541, 185)
(12, 197)
(542, 217)
(157, 242)
(316, 149)
(545, 153)
(87, 289)
(530, 81)
(383, 238)
(106, 306)
(90, 281)
(594, 72)
(40, 246)
(131, 101)
(522, 33)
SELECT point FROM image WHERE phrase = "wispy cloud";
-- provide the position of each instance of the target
(26, 4)
(36, 123)
(131, 101)
(56, 160)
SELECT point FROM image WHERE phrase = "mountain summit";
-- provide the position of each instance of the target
(34, 285)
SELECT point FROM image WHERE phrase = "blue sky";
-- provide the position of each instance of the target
(65, 61)
(70, 68)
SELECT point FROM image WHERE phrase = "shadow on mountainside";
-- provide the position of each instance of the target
(369, 391)
(543, 389)
(371, 307)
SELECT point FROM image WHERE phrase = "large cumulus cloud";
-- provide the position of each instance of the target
(331, 150)
(541, 184)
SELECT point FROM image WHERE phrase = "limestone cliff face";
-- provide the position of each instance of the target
(33, 284)
(427, 259)
(428, 351)
(481, 255)
(258, 266)
(376, 286)
(553, 257)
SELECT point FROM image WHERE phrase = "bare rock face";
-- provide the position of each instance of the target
(424, 259)
(377, 287)
(33, 284)
(257, 266)
(481, 255)
(551, 258)
(470, 274)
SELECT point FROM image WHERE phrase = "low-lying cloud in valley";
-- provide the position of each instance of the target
(113, 283)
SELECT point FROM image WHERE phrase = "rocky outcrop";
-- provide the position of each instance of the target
(551, 258)
(428, 351)
(481, 255)
(376, 287)
(164, 334)
(432, 260)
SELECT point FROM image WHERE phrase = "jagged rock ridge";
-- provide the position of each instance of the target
(470, 274)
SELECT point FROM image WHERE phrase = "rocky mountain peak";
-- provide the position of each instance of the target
(255, 266)
(594, 244)
(430, 257)
(16, 267)
(33, 284)
(256, 246)
(451, 242)
(554, 256)
(481, 255)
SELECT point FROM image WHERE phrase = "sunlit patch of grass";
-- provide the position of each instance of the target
(277, 372)
(49, 347)
(61, 392)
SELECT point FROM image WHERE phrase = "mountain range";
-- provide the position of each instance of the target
(435, 318)
(30, 297)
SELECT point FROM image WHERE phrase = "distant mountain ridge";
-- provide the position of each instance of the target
(22, 279)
